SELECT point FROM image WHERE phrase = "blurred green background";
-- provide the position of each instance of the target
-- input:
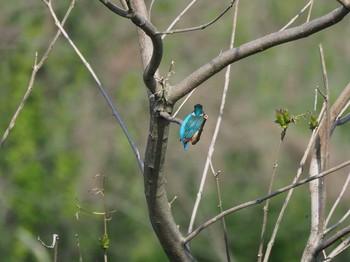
(66, 133)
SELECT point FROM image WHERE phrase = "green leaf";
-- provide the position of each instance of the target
(104, 241)
(313, 122)
(283, 118)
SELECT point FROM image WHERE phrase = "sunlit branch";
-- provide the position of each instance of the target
(256, 46)
(264, 198)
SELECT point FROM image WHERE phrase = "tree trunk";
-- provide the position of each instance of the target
(158, 205)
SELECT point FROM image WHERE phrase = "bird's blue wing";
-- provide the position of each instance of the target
(183, 127)
(192, 126)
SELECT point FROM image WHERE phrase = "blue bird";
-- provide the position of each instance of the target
(192, 127)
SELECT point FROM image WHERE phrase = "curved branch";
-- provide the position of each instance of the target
(157, 54)
(114, 8)
(256, 46)
(141, 21)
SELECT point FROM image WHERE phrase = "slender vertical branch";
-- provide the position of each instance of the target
(218, 190)
(217, 127)
(290, 192)
(266, 206)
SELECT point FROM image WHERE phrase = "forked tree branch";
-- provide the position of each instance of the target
(138, 15)
(214, 66)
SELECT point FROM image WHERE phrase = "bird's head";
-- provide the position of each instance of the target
(198, 110)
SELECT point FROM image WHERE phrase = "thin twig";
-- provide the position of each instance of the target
(227, 246)
(170, 118)
(341, 220)
(263, 198)
(79, 249)
(341, 194)
(310, 9)
(200, 27)
(266, 206)
(36, 68)
(150, 9)
(53, 246)
(100, 86)
(331, 240)
(340, 248)
(341, 120)
(290, 192)
(183, 102)
(216, 131)
(177, 19)
(328, 111)
(296, 16)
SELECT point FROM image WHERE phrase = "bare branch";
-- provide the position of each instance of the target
(341, 194)
(319, 163)
(341, 103)
(170, 118)
(297, 15)
(217, 128)
(266, 206)
(177, 19)
(200, 27)
(152, 64)
(290, 192)
(114, 8)
(327, 242)
(100, 86)
(259, 45)
(264, 198)
(340, 248)
(345, 3)
(341, 220)
(36, 68)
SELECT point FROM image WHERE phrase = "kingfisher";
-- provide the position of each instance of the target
(192, 127)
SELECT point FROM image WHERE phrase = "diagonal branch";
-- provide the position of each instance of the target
(331, 240)
(100, 86)
(256, 46)
(264, 198)
(36, 68)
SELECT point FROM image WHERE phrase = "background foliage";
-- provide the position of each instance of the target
(66, 133)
